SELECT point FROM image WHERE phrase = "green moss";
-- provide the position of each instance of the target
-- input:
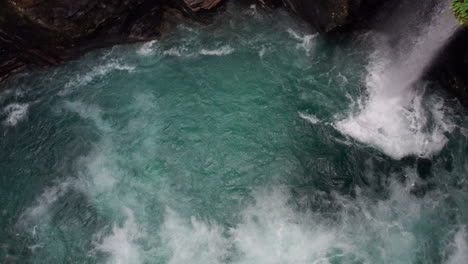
(460, 9)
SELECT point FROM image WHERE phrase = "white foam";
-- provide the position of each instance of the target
(311, 118)
(269, 232)
(272, 232)
(396, 128)
(147, 48)
(460, 248)
(252, 11)
(224, 50)
(307, 41)
(33, 248)
(393, 118)
(262, 51)
(91, 112)
(103, 173)
(193, 241)
(95, 72)
(270, 229)
(120, 244)
(177, 52)
(15, 113)
(39, 210)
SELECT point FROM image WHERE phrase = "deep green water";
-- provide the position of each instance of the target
(222, 144)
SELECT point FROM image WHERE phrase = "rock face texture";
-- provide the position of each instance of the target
(48, 32)
(450, 69)
(77, 19)
(42, 33)
(197, 5)
(330, 15)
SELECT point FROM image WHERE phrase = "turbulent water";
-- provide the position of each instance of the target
(252, 140)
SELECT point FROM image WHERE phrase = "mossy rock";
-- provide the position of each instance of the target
(460, 9)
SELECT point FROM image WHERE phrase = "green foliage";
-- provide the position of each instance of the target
(460, 9)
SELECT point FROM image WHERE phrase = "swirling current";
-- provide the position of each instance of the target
(251, 140)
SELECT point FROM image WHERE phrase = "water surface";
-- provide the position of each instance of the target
(222, 144)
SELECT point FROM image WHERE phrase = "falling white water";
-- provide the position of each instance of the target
(394, 118)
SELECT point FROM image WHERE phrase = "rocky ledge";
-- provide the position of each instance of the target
(43, 33)
(38, 33)
(450, 68)
(330, 15)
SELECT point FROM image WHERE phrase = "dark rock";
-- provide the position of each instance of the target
(197, 5)
(270, 3)
(450, 68)
(330, 15)
(45, 33)
(38, 33)
(23, 42)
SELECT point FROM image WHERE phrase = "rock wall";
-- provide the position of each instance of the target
(330, 15)
(43, 33)
(450, 69)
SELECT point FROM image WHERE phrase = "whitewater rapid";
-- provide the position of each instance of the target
(396, 116)
(228, 144)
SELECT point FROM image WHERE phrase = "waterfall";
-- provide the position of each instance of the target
(394, 117)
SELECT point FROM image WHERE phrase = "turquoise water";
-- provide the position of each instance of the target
(221, 144)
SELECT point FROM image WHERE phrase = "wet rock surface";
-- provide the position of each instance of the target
(450, 68)
(44, 33)
(38, 33)
(328, 16)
